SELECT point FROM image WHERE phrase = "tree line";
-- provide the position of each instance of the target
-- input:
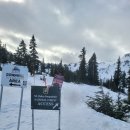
(87, 72)
(120, 82)
(22, 56)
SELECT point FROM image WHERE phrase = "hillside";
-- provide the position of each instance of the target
(106, 69)
(75, 114)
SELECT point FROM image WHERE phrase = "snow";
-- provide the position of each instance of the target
(75, 114)
(73, 67)
(106, 69)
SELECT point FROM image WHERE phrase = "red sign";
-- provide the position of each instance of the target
(58, 80)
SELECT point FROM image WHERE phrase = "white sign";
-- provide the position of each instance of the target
(14, 75)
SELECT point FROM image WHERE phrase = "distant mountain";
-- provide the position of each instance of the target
(107, 69)
(73, 66)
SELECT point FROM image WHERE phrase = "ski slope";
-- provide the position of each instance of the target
(75, 114)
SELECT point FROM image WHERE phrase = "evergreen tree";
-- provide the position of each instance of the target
(93, 78)
(128, 85)
(122, 83)
(21, 54)
(117, 75)
(70, 76)
(23, 51)
(33, 55)
(82, 67)
(60, 68)
(10, 57)
(43, 66)
(67, 74)
(102, 103)
(3, 53)
(29, 62)
(48, 68)
(52, 70)
(17, 57)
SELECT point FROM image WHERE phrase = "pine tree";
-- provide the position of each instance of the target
(60, 68)
(52, 70)
(102, 103)
(122, 83)
(0, 52)
(10, 57)
(117, 75)
(93, 78)
(29, 62)
(48, 68)
(23, 51)
(128, 85)
(82, 67)
(43, 66)
(3, 53)
(17, 57)
(67, 74)
(21, 54)
(34, 56)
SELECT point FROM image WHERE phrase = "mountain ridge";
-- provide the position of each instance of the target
(106, 69)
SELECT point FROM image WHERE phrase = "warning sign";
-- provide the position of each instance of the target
(58, 80)
(46, 98)
(14, 75)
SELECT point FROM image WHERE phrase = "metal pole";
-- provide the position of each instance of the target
(33, 111)
(20, 108)
(34, 79)
(1, 93)
(59, 122)
(32, 119)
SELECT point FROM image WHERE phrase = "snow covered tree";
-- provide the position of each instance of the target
(102, 103)
(33, 55)
(82, 67)
(117, 75)
(93, 71)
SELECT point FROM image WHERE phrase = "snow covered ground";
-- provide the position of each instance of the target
(75, 114)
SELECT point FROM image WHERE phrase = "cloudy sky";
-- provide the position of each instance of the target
(63, 27)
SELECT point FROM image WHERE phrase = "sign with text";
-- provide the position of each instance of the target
(47, 98)
(58, 80)
(14, 75)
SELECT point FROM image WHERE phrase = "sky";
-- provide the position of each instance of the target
(63, 27)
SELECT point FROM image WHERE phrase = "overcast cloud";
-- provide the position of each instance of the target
(63, 27)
